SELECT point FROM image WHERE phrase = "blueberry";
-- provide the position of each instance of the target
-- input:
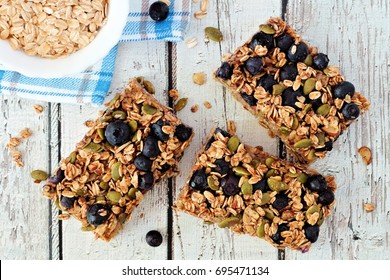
(58, 177)
(343, 89)
(158, 11)
(328, 146)
(154, 238)
(261, 185)
(225, 71)
(311, 232)
(267, 82)
(146, 181)
(288, 72)
(298, 53)
(67, 202)
(289, 97)
(315, 103)
(198, 180)
(254, 65)
(118, 133)
(316, 183)
(262, 39)
(350, 111)
(223, 132)
(222, 167)
(250, 99)
(165, 168)
(281, 201)
(284, 42)
(277, 237)
(150, 148)
(97, 214)
(326, 197)
(320, 61)
(157, 131)
(183, 133)
(229, 184)
(142, 163)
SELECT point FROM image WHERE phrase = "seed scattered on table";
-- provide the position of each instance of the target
(180, 104)
(38, 108)
(207, 104)
(366, 154)
(194, 108)
(199, 78)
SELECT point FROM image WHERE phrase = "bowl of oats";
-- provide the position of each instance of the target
(53, 39)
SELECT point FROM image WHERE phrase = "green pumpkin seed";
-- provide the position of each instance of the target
(114, 196)
(276, 185)
(122, 218)
(39, 175)
(321, 218)
(313, 209)
(104, 185)
(88, 228)
(148, 109)
(133, 126)
(260, 229)
(233, 143)
(270, 173)
(284, 130)
(100, 198)
(93, 148)
(180, 104)
(100, 132)
(254, 163)
(308, 60)
(307, 108)
(295, 123)
(326, 71)
(309, 86)
(214, 34)
(149, 87)
(72, 157)
(323, 110)
(80, 192)
(119, 114)
(269, 214)
(303, 143)
(105, 119)
(311, 156)
(115, 171)
(292, 175)
(132, 193)
(269, 161)
(302, 178)
(277, 89)
(210, 182)
(228, 222)
(240, 171)
(321, 138)
(267, 29)
(265, 198)
(246, 188)
(113, 101)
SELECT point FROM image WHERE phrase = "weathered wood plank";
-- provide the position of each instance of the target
(146, 59)
(24, 213)
(355, 35)
(237, 20)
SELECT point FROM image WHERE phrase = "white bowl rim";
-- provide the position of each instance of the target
(105, 40)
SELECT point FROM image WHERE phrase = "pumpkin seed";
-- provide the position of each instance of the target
(133, 126)
(240, 171)
(228, 222)
(149, 87)
(93, 148)
(140, 79)
(88, 228)
(260, 229)
(277, 89)
(321, 138)
(270, 173)
(295, 123)
(276, 185)
(267, 29)
(308, 60)
(80, 192)
(246, 188)
(210, 182)
(122, 218)
(307, 108)
(132, 193)
(269, 214)
(180, 104)
(72, 157)
(148, 109)
(233, 143)
(326, 71)
(269, 161)
(113, 101)
(115, 171)
(114, 196)
(292, 175)
(311, 155)
(323, 110)
(39, 175)
(303, 143)
(105, 119)
(119, 114)
(265, 198)
(100, 198)
(313, 209)
(104, 185)
(309, 86)
(254, 163)
(284, 130)
(100, 132)
(302, 178)
(214, 34)
(321, 218)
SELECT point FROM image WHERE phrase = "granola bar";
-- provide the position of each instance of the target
(248, 191)
(289, 86)
(133, 145)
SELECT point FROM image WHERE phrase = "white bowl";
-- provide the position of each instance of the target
(38, 67)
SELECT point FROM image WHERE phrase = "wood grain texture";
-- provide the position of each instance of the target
(192, 239)
(355, 35)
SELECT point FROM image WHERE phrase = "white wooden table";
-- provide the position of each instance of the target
(354, 34)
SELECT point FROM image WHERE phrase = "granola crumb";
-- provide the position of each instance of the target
(194, 108)
(366, 154)
(89, 123)
(191, 42)
(13, 142)
(38, 108)
(25, 133)
(231, 127)
(174, 94)
(207, 104)
(199, 78)
(369, 207)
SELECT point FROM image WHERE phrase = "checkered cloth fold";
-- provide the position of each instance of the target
(92, 85)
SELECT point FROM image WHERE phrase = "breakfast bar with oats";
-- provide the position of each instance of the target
(292, 89)
(133, 145)
(249, 191)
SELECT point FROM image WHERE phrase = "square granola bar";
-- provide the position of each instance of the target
(289, 86)
(249, 191)
(133, 145)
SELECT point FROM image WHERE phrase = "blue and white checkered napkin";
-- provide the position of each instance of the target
(92, 85)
